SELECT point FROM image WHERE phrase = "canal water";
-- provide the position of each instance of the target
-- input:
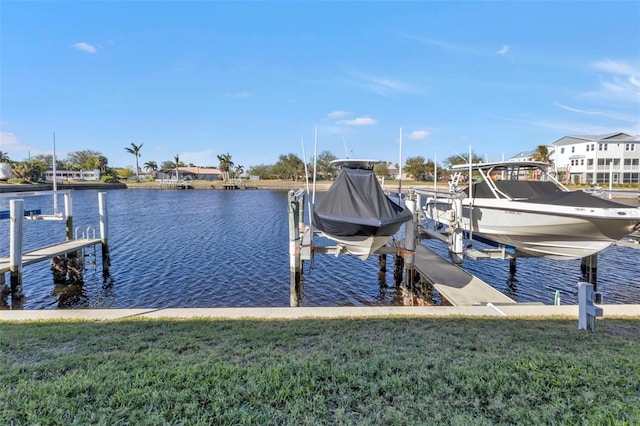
(198, 248)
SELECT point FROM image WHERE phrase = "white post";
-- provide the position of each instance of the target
(16, 216)
(410, 238)
(587, 311)
(610, 177)
(104, 233)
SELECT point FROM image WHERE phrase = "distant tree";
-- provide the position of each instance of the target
(381, 170)
(541, 153)
(225, 165)
(289, 166)
(29, 171)
(416, 167)
(151, 166)
(125, 173)
(238, 171)
(462, 159)
(263, 171)
(4, 157)
(176, 159)
(324, 166)
(81, 159)
(135, 150)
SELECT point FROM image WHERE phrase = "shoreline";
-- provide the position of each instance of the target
(616, 193)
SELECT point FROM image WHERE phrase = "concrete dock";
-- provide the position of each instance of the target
(454, 284)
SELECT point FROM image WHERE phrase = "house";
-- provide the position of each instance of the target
(194, 173)
(597, 159)
(522, 156)
(76, 175)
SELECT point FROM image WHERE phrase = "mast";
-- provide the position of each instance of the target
(55, 186)
(400, 169)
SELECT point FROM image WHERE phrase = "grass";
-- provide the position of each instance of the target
(341, 371)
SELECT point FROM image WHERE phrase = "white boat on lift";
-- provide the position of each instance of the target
(521, 205)
(356, 213)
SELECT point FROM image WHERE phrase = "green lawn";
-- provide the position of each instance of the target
(342, 371)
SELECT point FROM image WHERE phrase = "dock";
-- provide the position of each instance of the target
(456, 285)
(49, 252)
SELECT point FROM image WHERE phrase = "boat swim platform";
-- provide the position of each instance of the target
(309, 313)
(49, 252)
(454, 284)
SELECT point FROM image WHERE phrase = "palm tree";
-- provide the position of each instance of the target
(225, 165)
(239, 170)
(541, 153)
(151, 165)
(177, 162)
(135, 150)
(4, 157)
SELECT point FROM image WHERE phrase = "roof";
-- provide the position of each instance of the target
(507, 164)
(608, 137)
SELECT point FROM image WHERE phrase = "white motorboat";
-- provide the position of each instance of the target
(521, 205)
(356, 213)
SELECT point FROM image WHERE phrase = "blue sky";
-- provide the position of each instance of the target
(254, 79)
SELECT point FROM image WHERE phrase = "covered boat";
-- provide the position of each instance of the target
(356, 213)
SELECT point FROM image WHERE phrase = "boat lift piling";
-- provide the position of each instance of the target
(67, 258)
(296, 219)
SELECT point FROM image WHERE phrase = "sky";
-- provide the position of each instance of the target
(258, 80)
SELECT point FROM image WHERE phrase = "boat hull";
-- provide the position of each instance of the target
(359, 245)
(539, 230)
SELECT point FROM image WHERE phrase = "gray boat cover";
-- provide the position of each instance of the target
(356, 205)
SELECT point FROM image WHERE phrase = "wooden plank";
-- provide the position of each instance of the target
(455, 284)
(49, 252)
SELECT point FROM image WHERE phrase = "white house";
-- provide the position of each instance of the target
(79, 175)
(597, 158)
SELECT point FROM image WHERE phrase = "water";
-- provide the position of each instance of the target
(230, 248)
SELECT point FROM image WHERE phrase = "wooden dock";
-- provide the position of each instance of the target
(456, 285)
(49, 252)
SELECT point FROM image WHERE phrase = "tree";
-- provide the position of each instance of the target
(263, 171)
(4, 157)
(324, 166)
(381, 170)
(225, 165)
(29, 171)
(135, 150)
(82, 159)
(239, 170)
(541, 153)
(289, 166)
(416, 167)
(177, 164)
(151, 165)
(462, 159)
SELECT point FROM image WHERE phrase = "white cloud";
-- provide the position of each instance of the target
(503, 50)
(338, 114)
(360, 121)
(238, 95)
(619, 81)
(581, 111)
(85, 47)
(418, 134)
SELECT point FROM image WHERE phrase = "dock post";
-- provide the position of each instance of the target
(456, 236)
(74, 267)
(382, 263)
(587, 311)
(589, 270)
(410, 239)
(294, 248)
(104, 233)
(15, 253)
